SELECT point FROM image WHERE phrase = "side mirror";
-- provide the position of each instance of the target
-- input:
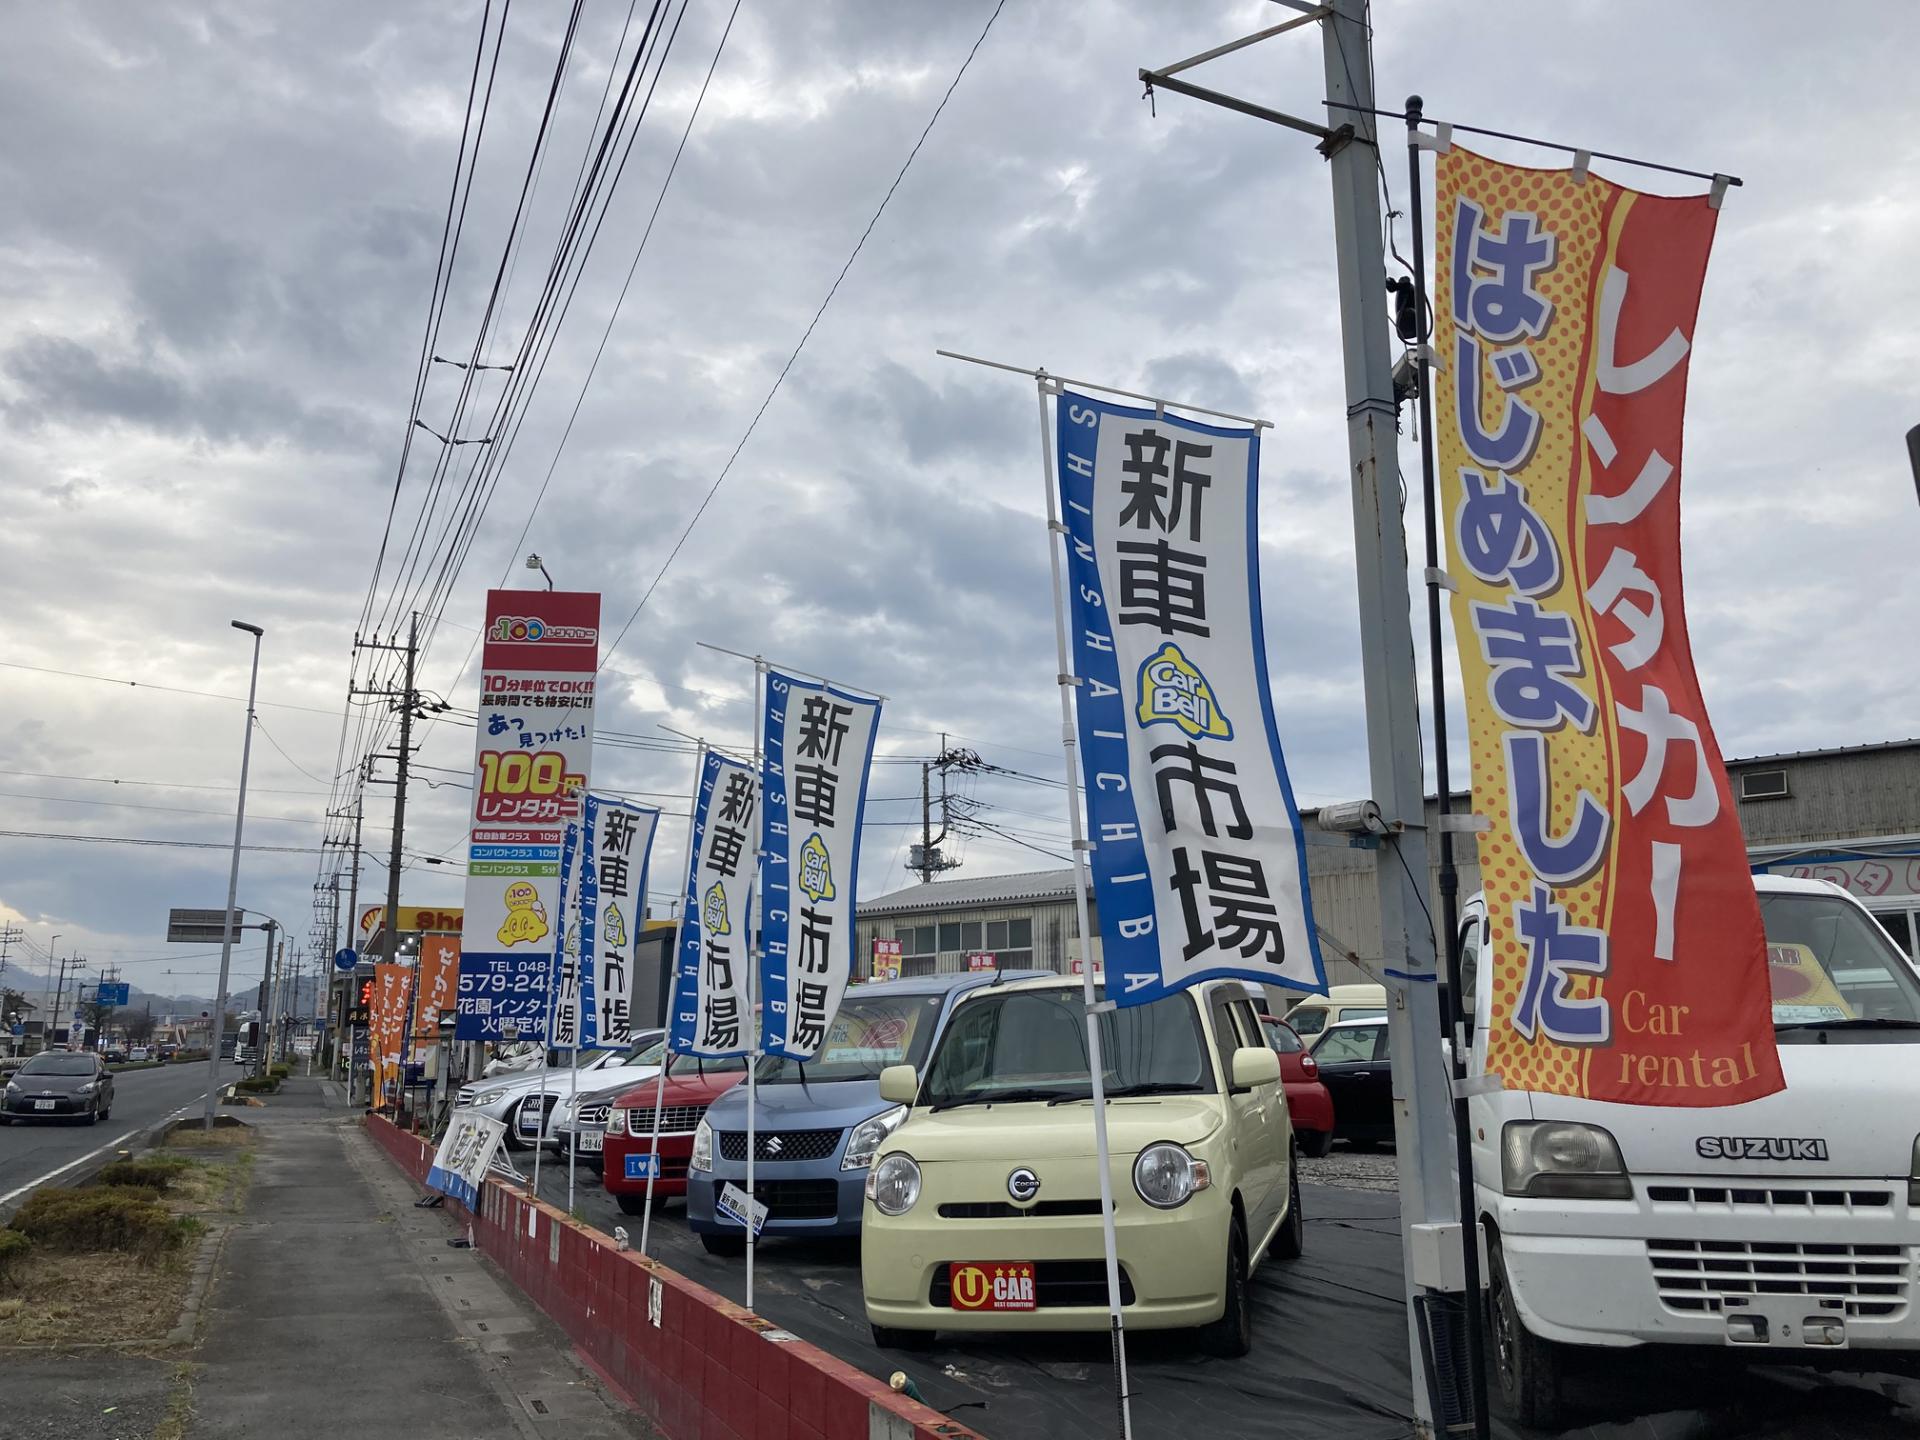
(1252, 1066)
(899, 1084)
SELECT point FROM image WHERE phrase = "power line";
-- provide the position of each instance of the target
(283, 753)
(806, 335)
(167, 689)
(151, 784)
(162, 809)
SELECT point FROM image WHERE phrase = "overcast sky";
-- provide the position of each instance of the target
(219, 241)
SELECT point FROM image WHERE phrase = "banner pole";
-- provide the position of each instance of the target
(753, 969)
(1454, 1017)
(673, 994)
(1096, 1065)
(573, 1108)
(553, 999)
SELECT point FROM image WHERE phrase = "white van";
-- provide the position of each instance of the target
(1787, 1226)
(1315, 1013)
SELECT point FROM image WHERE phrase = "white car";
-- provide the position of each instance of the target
(516, 1059)
(1783, 1228)
(501, 1098)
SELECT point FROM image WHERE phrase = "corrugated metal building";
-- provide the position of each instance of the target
(1850, 815)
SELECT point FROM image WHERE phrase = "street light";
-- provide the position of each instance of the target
(534, 562)
(233, 882)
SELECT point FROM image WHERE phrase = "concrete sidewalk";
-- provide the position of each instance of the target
(339, 1309)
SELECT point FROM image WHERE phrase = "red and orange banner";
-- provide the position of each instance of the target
(439, 983)
(1627, 957)
(387, 1023)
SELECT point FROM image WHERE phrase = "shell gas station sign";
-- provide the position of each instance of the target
(414, 919)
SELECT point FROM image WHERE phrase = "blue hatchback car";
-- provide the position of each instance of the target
(820, 1121)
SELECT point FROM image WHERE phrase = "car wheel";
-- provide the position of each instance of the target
(728, 1245)
(93, 1115)
(886, 1337)
(1291, 1242)
(631, 1204)
(1231, 1336)
(107, 1114)
(1532, 1371)
(512, 1138)
(1317, 1143)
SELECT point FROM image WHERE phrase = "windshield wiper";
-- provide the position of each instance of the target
(1143, 1087)
(1877, 1022)
(997, 1097)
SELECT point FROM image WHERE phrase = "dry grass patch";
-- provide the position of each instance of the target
(221, 1137)
(109, 1299)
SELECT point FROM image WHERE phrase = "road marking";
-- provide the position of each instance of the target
(37, 1183)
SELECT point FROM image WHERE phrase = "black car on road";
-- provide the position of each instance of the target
(1356, 1069)
(59, 1085)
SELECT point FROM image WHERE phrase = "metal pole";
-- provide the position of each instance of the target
(233, 885)
(573, 1103)
(1422, 1143)
(343, 1047)
(554, 973)
(1458, 1025)
(1095, 1006)
(1913, 455)
(755, 1027)
(673, 989)
(266, 998)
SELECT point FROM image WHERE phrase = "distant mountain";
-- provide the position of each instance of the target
(243, 992)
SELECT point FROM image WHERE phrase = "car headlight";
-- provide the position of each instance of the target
(616, 1121)
(13, 1088)
(867, 1136)
(702, 1157)
(89, 1088)
(1561, 1159)
(1166, 1176)
(894, 1184)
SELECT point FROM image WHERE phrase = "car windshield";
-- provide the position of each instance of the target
(1828, 962)
(1340, 1045)
(1308, 1020)
(58, 1065)
(1281, 1037)
(647, 1052)
(682, 1066)
(1032, 1045)
(870, 1033)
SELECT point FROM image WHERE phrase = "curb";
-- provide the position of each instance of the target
(199, 1286)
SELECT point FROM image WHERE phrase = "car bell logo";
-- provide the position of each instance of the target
(816, 871)
(614, 925)
(713, 912)
(1174, 692)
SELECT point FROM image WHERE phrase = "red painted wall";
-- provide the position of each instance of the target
(707, 1370)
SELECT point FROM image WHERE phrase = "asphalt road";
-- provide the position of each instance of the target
(38, 1151)
(1329, 1357)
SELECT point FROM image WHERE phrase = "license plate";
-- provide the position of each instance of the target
(992, 1285)
(591, 1141)
(43, 1104)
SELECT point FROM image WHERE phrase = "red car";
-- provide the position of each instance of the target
(692, 1084)
(1307, 1099)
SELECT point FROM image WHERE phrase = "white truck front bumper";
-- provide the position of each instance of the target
(1784, 1264)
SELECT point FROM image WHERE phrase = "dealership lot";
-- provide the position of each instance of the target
(1329, 1356)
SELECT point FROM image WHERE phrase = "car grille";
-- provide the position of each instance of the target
(592, 1115)
(1001, 1210)
(799, 1199)
(466, 1096)
(780, 1144)
(674, 1120)
(1055, 1282)
(1761, 1195)
(1713, 1276)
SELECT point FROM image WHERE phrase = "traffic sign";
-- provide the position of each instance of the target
(112, 994)
(345, 959)
(201, 927)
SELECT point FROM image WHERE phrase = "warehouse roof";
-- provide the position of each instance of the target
(975, 891)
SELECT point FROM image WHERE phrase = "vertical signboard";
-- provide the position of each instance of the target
(616, 841)
(533, 747)
(387, 1022)
(710, 1010)
(1198, 861)
(886, 959)
(439, 978)
(1629, 963)
(819, 743)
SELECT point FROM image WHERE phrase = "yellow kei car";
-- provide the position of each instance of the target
(983, 1207)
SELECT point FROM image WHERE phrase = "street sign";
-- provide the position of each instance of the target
(201, 927)
(112, 994)
(345, 959)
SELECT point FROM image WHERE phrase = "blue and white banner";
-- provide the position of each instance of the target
(1199, 865)
(563, 974)
(711, 1005)
(460, 1164)
(616, 841)
(819, 744)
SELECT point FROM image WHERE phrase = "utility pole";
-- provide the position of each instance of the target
(266, 992)
(929, 861)
(9, 934)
